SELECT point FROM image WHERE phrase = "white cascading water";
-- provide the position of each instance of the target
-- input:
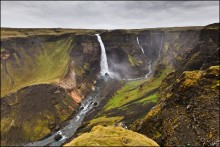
(149, 64)
(161, 45)
(103, 63)
(149, 70)
(140, 45)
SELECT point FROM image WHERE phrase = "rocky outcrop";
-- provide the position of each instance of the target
(111, 136)
(187, 112)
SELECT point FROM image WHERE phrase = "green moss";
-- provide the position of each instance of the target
(124, 95)
(132, 60)
(218, 83)
(191, 78)
(104, 121)
(111, 136)
(35, 129)
(136, 89)
(63, 115)
(46, 66)
(153, 112)
(151, 98)
(6, 124)
(214, 70)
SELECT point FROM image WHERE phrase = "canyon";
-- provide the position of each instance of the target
(156, 82)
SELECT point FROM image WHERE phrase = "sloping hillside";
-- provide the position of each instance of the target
(187, 112)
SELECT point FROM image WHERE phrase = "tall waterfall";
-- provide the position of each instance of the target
(103, 63)
(140, 45)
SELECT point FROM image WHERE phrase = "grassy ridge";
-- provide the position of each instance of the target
(24, 32)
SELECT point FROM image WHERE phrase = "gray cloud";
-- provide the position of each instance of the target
(108, 14)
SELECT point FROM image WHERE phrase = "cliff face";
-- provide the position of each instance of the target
(160, 46)
(60, 69)
(187, 112)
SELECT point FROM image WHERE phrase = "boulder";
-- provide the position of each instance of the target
(57, 137)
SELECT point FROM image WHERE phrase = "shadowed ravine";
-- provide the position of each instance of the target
(69, 130)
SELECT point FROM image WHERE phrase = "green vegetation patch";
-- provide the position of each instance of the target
(36, 129)
(132, 60)
(125, 94)
(111, 136)
(47, 65)
(105, 121)
(135, 90)
(151, 98)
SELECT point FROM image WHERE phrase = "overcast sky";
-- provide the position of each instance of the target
(108, 15)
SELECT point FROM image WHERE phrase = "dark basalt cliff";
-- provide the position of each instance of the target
(187, 112)
(59, 70)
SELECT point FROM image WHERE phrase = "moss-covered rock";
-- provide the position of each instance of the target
(188, 111)
(187, 114)
(111, 136)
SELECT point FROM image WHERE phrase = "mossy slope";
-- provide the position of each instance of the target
(188, 110)
(111, 136)
(43, 62)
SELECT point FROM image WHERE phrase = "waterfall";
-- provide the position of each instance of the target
(149, 70)
(103, 63)
(161, 45)
(149, 64)
(151, 38)
(140, 46)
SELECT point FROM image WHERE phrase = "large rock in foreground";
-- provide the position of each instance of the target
(111, 136)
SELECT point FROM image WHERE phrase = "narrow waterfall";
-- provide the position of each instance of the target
(151, 38)
(140, 45)
(149, 70)
(161, 45)
(149, 64)
(103, 63)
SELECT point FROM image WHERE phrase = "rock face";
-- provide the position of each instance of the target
(187, 112)
(70, 60)
(111, 136)
(161, 46)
